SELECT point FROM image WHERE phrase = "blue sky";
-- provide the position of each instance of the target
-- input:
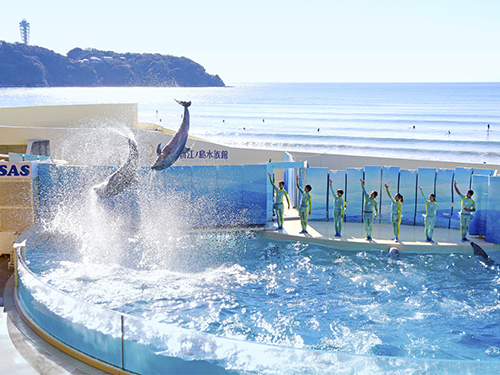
(281, 41)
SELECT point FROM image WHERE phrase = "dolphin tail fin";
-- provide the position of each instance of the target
(158, 149)
(184, 104)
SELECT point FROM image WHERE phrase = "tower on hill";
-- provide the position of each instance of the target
(24, 27)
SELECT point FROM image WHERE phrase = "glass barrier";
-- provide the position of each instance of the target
(153, 347)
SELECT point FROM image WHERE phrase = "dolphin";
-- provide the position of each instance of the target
(478, 250)
(123, 177)
(393, 253)
(177, 145)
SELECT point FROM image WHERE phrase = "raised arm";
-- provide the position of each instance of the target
(331, 186)
(456, 187)
(298, 185)
(272, 183)
(363, 187)
(389, 193)
(423, 195)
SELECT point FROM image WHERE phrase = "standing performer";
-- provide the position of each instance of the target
(430, 215)
(305, 205)
(468, 207)
(368, 216)
(280, 192)
(338, 209)
(396, 210)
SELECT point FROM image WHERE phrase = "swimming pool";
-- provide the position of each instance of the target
(334, 307)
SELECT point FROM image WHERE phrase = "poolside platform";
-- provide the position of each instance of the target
(411, 238)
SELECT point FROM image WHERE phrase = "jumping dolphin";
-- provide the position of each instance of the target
(393, 253)
(478, 250)
(123, 177)
(177, 145)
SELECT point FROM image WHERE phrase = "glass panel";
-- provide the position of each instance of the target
(444, 197)
(478, 223)
(317, 178)
(354, 195)
(493, 214)
(85, 327)
(408, 188)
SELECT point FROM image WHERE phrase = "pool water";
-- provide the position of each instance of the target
(240, 285)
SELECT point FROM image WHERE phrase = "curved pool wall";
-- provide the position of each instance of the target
(115, 341)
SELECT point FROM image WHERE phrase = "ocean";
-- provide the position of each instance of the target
(432, 121)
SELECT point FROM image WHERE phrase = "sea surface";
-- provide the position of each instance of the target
(433, 121)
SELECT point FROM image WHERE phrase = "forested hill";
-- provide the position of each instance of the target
(31, 66)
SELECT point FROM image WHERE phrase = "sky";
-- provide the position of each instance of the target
(281, 41)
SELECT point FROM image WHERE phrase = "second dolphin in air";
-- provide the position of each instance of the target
(122, 178)
(177, 145)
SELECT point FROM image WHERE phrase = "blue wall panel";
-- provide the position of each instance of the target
(426, 179)
(339, 182)
(255, 198)
(204, 193)
(390, 176)
(354, 195)
(407, 187)
(480, 186)
(317, 178)
(463, 176)
(444, 197)
(230, 195)
(493, 214)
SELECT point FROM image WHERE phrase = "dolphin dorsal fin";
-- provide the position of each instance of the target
(185, 150)
(158, 149)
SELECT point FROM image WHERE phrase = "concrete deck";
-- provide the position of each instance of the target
(411, 238)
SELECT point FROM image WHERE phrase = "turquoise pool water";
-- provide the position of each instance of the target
(239, 285)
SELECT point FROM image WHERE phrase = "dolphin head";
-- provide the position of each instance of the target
(393, 253)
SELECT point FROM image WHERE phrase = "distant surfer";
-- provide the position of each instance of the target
(488, 128)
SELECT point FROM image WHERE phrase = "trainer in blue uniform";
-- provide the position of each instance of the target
(338, 209)
(368, 216)
(280, 193)
(305, 205)
(430, 215)
(468, 207)
(396, 210)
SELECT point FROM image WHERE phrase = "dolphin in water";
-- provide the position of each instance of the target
(177, 145)
(478, 250)
(393, 253)
(123, 177)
